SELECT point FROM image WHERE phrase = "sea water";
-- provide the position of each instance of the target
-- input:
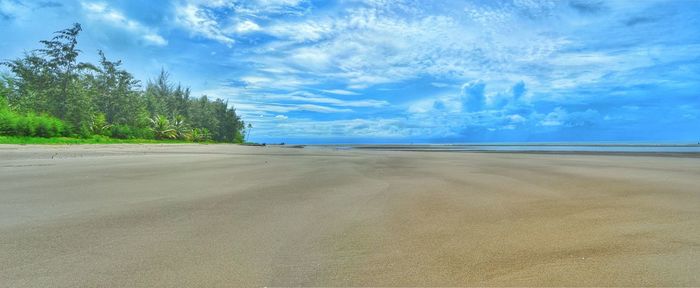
(541, 147)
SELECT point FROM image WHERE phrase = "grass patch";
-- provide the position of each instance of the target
(22, 140)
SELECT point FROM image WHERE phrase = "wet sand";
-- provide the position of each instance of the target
(226, 215)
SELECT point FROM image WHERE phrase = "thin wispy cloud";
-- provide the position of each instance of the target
(199, 21)
(339, 92)
(101, 11)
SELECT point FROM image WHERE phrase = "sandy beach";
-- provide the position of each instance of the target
(227, 215)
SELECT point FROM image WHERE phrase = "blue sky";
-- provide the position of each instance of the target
(409, 71)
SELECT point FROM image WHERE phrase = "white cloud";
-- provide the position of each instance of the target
(320, 109)
(247, 26)
(516, 118)
(155, 39)
(391, 127)
(311, 98)
(281, 81)
(363, 47)
(303, 31)
(439, 84)
(436, 105)
(199, 21)
(295, 98)
(259, 108)
(310, 57)
(561, 117)
(263, 8)
(219, 20)
(340, 92)
(102, 12)
(255, 80)
(554, 118)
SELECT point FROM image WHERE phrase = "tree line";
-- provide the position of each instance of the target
(50, 93)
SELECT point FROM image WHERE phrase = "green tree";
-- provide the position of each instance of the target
(117, 95)
(179, 101)
(202, 114)
(31, 83)
(71, 99)
(157, 93)
(50, 79)
(51, 83)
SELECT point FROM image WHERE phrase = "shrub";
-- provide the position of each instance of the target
(99, 125)
(8, 121)
(43, 127)
(121, 132)
(200, 135)
(142, 133)
(26, 126)
(84, 131)
(32, 125)
(49, 127)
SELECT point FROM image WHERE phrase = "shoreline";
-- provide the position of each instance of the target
(120, 148)
(592, 153)
(569, 144)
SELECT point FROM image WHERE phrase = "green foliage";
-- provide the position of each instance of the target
(8, 121)
(117, 95)
(180, 127)
(4, 92)
(99, 125)
(200, 135)
(13, 123)
(160, 125)
(238, 137)
(121, 131)
(51, 80)
(46, 126)
(68, 140)
(130, 132)
(52, 93)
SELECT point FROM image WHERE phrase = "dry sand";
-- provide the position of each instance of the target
(226, 215)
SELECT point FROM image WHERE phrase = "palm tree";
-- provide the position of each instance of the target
(250, 127)
(180, 127)
(161, 127)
